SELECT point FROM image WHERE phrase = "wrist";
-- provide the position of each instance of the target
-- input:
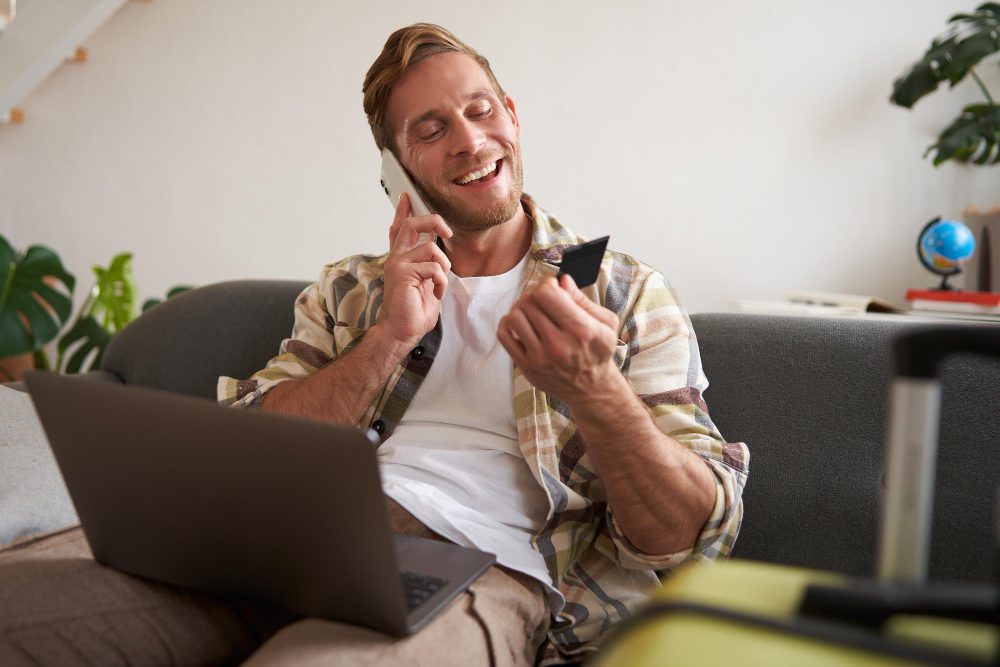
(604, 388)
(388, 345)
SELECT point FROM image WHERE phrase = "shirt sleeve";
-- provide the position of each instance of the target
(663, 366)
(312, 345)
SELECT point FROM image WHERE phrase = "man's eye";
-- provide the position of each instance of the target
(482, 113)
(431, 135)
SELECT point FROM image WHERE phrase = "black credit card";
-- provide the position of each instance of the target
(583, 262)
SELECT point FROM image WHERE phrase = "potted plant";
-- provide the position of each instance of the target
(36, 300)
(974, 136)
(110, 305)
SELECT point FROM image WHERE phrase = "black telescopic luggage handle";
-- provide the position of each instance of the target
(911, 456)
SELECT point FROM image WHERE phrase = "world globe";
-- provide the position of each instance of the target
(942, 247)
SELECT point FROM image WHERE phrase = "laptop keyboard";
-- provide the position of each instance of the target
(419, 587)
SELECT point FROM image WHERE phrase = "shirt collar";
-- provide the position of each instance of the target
(549, 238)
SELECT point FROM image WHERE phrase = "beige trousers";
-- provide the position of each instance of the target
(59, 607)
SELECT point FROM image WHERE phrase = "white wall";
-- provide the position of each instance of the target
(743, 148)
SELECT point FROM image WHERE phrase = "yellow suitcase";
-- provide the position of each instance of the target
(750, 614)
(747, 613)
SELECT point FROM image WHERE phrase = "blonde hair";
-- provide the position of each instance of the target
(405, 47)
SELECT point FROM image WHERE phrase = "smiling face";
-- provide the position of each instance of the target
(458, 140)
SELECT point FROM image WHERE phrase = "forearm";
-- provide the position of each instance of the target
(661, 492)
(342, 390)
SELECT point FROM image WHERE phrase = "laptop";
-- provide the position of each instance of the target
(281, 509)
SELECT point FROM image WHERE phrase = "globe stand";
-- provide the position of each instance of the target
(944, 286)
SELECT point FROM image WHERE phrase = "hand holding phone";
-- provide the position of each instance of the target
(415, 274)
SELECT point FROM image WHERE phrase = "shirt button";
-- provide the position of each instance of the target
(417, 353)
(379, 426)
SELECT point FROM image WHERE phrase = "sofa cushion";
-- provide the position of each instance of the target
(185, 343)
(809, 396)
(33, 497)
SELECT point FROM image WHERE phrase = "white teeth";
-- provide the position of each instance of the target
(468, 178)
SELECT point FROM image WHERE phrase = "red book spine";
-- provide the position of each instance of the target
(956, 296)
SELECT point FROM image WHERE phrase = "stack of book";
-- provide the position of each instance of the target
(955, 303)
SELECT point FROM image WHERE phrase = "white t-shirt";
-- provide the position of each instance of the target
(453, 461)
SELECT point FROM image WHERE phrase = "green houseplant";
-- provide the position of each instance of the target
(110, 305)
(973, 137)
(36, 300)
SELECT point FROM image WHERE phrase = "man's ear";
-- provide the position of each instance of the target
(513, 113)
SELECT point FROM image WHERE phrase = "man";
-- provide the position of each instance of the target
(562, 429)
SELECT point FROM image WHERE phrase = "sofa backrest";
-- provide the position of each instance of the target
(185, 343)
(809, 397)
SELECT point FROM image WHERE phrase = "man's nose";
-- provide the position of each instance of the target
(468, 138)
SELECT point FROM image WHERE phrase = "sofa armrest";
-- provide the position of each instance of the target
(97, 376)
(185, 343)
(809, 396)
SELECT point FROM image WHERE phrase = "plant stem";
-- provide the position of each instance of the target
(982, 87)
(8, 281)
(42, 360)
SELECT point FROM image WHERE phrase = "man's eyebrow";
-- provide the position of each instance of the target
(474, 95)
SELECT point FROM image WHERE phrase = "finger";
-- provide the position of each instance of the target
(402, 213)
(431, 271)
(432, 224)
(559, 306)
(550, 335)
(570, 308)
(410, 229)
(518, 324)
(428, 252)
(596, 310)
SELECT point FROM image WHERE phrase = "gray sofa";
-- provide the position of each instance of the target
(808, 396)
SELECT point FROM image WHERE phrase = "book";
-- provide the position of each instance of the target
(948, 301)
(819, 304)
(851, 302)
(928, 314)
(987, 299)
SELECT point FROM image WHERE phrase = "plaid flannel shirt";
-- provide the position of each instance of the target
(601, 574)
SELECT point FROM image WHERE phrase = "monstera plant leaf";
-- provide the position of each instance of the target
(113, 298)
(110, 305)
(951, 56)
(973, 137)
(90, 336)
(35, 298)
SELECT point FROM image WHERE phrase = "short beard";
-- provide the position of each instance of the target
(458, 216)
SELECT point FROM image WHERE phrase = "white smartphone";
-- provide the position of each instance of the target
(395, 181)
